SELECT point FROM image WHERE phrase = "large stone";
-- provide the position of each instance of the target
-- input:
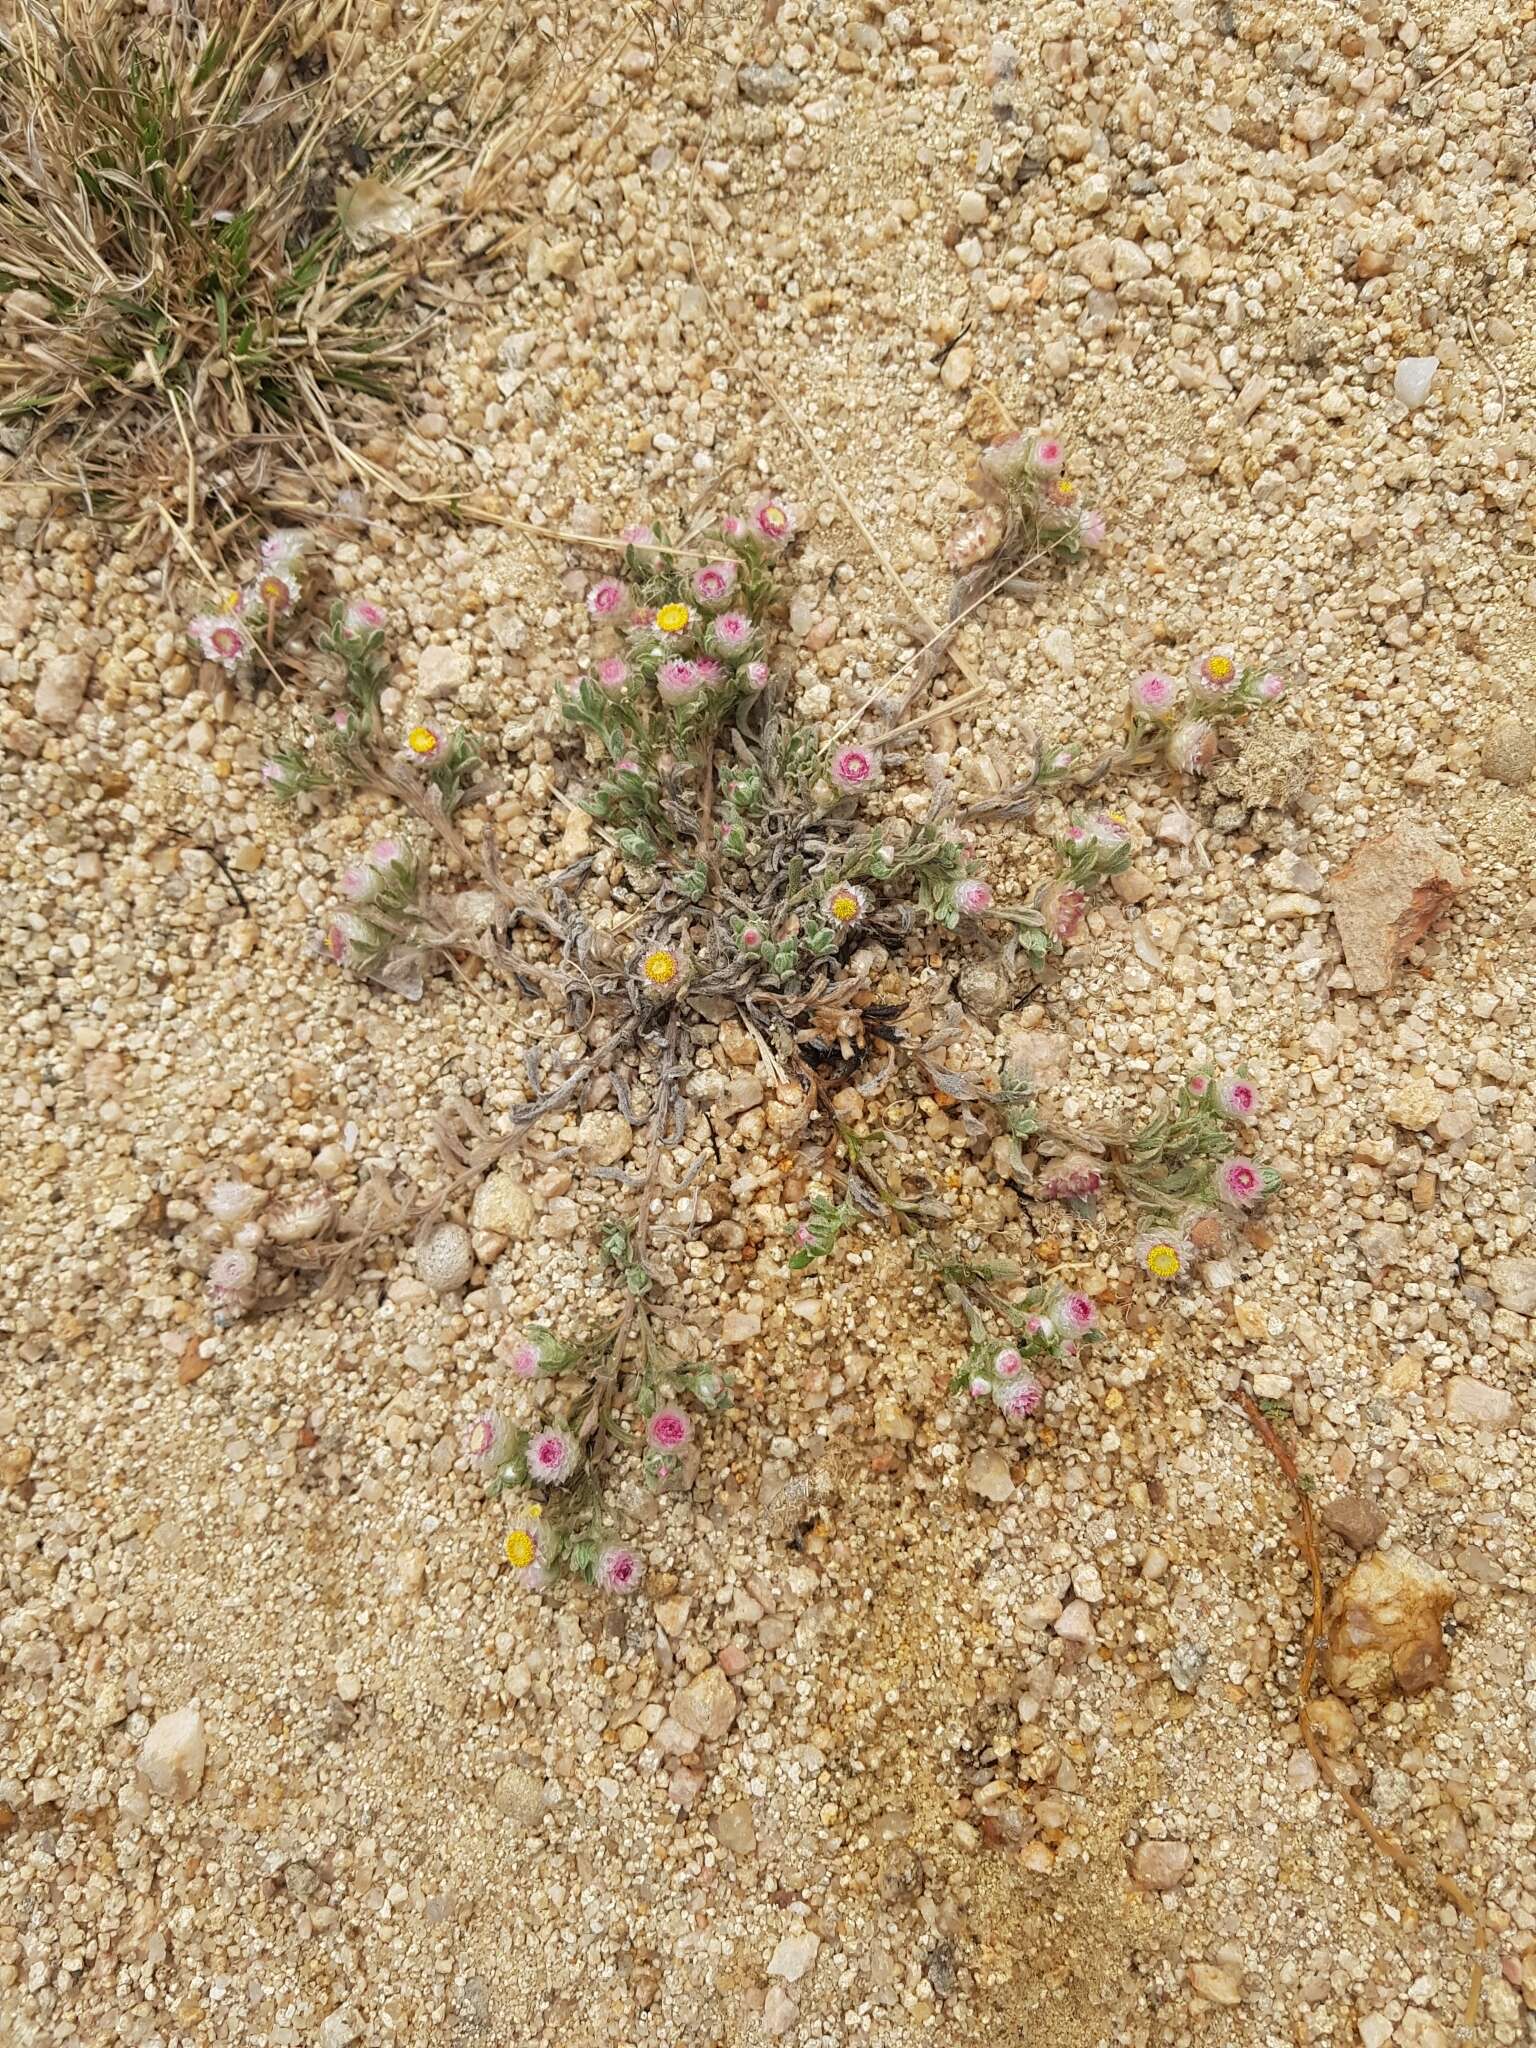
(707, 1705)
(988, 1475)
(173, 1753)
(1514, 1285)
(61, 688)
(1384, 1631)
(520, 1796)
(505, 1206)
(1219, 1983)
(1358, 1520)
(1509, 752)
(1475, 1402)
(795, 1954)
(1161, 1866)
(1388, 897)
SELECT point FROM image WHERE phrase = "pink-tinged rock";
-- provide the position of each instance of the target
(1387, 898)
(1474, 1401)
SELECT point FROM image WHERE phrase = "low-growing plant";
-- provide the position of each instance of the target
(753, 876)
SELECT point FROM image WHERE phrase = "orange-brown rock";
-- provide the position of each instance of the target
(1384, 1631)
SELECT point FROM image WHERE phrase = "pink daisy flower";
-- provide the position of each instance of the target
(677, 681)
(1073, 1179)
(1020, 1399)
(612, 673)
(668, 1429)
(619, 1569)
(1008, 1364)
(1237, 1098)
(853, 767)
(974, 897)
(607, 598)
(552, 1456)
(771, 521)
(1197, 1084)
(220, 638)
(1049, 456)
(709, 671)
(714, 583)
(1153, 695)
(1075, 1314)
(1238, 1183)
(731, 632)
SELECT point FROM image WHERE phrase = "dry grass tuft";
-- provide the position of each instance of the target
(208, 219)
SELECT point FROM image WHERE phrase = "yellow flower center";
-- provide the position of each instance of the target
(521, 1549)
(421, 739)
(1220, 668)
(775, 518)
(660, 968)
(673, 618)
(845, 908)
(232, 601)
(1066, 490)
(1163, 1262)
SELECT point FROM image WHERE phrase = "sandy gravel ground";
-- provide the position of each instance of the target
(1199, 240)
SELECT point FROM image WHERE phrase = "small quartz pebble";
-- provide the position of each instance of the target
(1509, 752)
(444, 1258)
(989, 1476)
(794, 1956)
(1161, 1866)
(173, 1753)
(1413, 377)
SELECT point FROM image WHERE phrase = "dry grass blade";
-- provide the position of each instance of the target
(208, 224)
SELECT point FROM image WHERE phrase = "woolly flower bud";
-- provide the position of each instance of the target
(1019, 1399)
(612, 674)
(346, 937)
(444, 1258)
(1238, 1183)
(232, 1281)
(1109, 830)
(678, 681)
(526, 1358)
(641, 538)
(973, 896)
(361, 617)
(1073, 1315)
(488, 1440)
(618, 1569)
(980, 1387)
(1073, 1179)
(1062, 907)
(284, 547)
(668, 1429)
(756, 673)
(607, 598)
(1153, 695)
(552, 1456)
(1009, 460)
(854, 768)
(1192, 746)
(233, 1202)
(731, 633)
(976, 539)
(298, 1217)
(1091, 530)
(1271, 687)
(714, 583)
(1008, 1363)
(1049, 456)
(1237, 1098)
